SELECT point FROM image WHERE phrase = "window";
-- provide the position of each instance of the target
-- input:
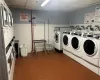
(10, 19)
(5, 17)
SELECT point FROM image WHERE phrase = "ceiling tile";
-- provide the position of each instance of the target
(61, 5)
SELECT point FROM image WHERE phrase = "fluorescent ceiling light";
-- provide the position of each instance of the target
(44, 3)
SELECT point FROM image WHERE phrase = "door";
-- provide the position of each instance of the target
(56, 37)
(65, 40)
(90, 48)
(75, 43)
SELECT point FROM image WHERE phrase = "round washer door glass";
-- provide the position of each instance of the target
(75, 43)
(56, 37)
(89, 47)
(65, 40)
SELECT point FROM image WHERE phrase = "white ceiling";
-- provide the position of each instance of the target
(53, 5)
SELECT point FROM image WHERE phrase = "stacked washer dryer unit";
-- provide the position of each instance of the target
(8, 35)
(58, 33)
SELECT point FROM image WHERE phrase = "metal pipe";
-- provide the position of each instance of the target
(32, 30)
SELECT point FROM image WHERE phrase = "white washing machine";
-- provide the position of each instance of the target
(72, 36)
(76, 44)
(97, 31)
(57, 40)
(58, 36)
(66, 41)
(91, 52)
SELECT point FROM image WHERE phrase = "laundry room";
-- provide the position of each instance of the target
(50, 40)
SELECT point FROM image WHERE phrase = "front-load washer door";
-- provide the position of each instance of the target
(90, 48)
(65, 40)
(75, 43)
(56, 37)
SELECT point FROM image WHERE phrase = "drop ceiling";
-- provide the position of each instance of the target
(53, 5)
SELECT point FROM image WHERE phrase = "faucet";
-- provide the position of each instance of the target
(89, 27)
(83, 27)
(97, 27)
(72, 27)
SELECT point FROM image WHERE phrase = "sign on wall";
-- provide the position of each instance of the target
(23, 17)
(86, 18)
(97, 15)
(89, 18)
(93, 17)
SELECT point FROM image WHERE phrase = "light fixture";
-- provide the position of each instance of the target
(44, 3)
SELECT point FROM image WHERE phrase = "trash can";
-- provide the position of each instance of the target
(24, 52)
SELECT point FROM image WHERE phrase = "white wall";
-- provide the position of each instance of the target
(49, 17)
(23, 33)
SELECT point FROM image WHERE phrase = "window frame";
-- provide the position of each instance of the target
(5, 21)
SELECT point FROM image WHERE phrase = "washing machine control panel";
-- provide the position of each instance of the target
(72, 33)
(89, 35)
(96, 36)
(67, 32)
(77, 33)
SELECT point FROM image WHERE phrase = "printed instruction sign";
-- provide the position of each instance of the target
(23, 17)
(86, 18)
(89, 18)
(97, 15)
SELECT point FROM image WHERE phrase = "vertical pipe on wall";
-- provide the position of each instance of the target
(44, 31)
(32, 30)
(48, 30)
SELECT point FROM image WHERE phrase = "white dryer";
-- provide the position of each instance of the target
(58, 37)
(57, 40)
(91, 52)
(66, 41)
(73, 36)
(76, 44)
